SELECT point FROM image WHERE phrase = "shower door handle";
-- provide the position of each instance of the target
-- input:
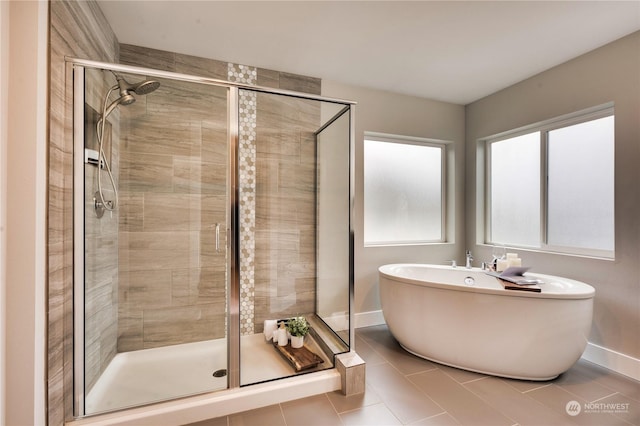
(217, 238)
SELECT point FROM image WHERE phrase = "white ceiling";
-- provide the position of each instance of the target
(454, 51)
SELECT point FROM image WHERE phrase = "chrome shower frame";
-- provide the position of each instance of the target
(76, 67)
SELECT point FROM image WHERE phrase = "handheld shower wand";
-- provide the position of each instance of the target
(125, 90)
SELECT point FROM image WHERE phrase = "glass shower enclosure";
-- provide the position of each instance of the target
(203, 210)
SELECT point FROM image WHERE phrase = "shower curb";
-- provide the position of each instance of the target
(222, 403)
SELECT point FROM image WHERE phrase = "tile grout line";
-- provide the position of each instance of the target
(406, 377)
(486, 401)
(282, 413)
(426, 394)
(335, 410)
(536, 388)
(604, 397)
(419, 372)
(386, 361)
(477, 379)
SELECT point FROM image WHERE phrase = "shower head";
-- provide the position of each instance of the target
(143, 88)
(125, 89)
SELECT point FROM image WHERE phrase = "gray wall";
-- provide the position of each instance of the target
(610, 73)
(391, 113)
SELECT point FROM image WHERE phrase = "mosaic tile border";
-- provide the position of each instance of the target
(247, 188)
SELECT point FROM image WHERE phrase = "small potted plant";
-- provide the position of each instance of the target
(298, 327)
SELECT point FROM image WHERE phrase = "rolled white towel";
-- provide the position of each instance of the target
(270, 327)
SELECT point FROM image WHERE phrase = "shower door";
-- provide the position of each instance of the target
(152, 165)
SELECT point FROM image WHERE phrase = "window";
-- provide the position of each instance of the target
(515, 176)
(403, 190)
(551, 186)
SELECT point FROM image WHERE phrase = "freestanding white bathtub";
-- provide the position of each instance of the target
(464, 318)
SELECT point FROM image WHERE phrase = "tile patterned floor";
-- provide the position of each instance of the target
(403, 389)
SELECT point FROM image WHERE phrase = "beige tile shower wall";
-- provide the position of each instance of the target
(284, 239)
(173, 192)
(101, 240)
(78, 29)
(285, 232)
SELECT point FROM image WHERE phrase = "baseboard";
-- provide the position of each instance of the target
(368, 319)
(607, 358)
(612, 360)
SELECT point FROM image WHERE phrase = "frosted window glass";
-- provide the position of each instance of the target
(402, 192)
(581, 185)
(515, 190)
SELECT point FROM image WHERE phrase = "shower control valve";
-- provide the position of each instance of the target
(99, 207)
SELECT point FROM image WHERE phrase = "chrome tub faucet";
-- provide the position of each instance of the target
(469, 260)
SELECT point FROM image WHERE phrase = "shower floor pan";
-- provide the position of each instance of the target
(159, 374)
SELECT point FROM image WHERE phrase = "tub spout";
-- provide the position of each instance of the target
(469, 260)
